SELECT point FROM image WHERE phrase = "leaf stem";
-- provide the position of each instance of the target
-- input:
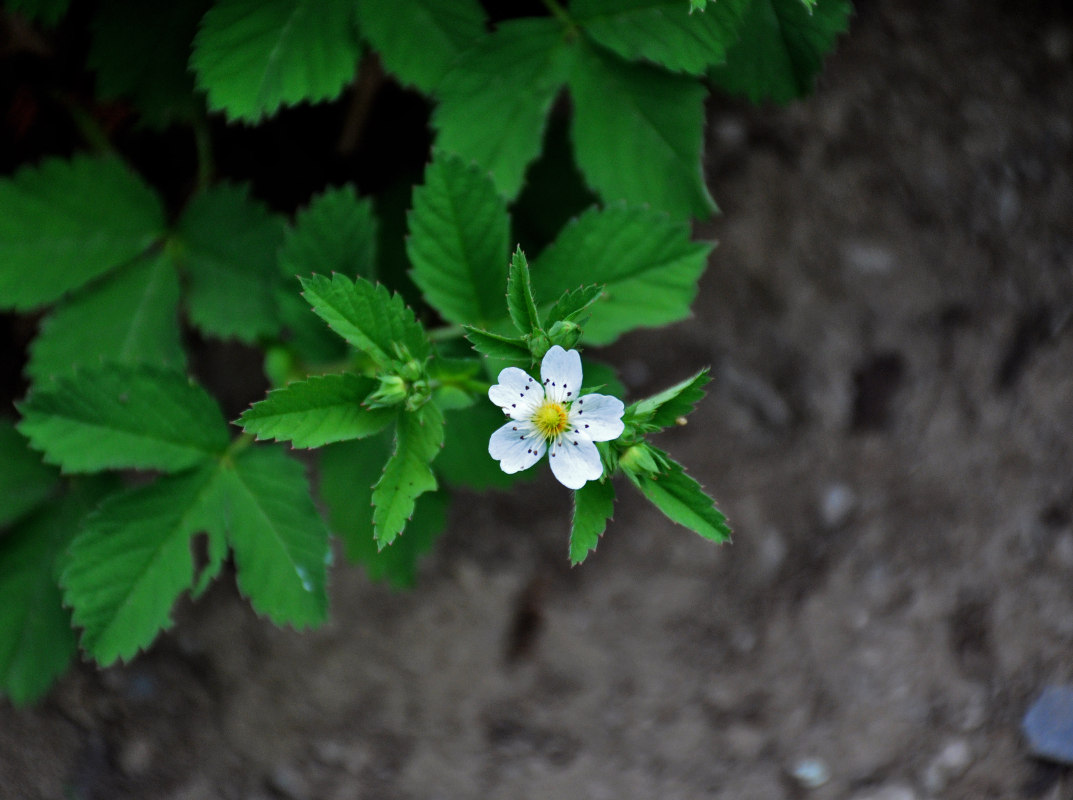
(446, 333)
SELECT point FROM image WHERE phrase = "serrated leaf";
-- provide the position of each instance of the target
(647, 263)
(664, 408)
(118, 416)
(420, 39)
(573, 303)
(227, 242)
(458, 241)
(494, 345)
(520, 304)
(407, 474)
(47, 12)
(317, 411)
(336, 232)
(367, 316)
(140, 51)
(508, 81)
(782, 47)
(594, 504)
(130, 316)
(66, 222)
(25, 482)
(682, 500)
(36, 637)
(133, 559)
(663, 31)
(638, 133)
(347, 472)
(279, 541)
(254, 56)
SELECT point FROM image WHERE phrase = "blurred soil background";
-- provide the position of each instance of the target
(890, 430)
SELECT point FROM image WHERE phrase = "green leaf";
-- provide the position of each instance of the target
(495, 346)
(140, 51)
(279, 541)
(347, 472)
(663, 31)
(227, 243)
(47, 12)
(119, 416)
(638, 134)
(464, 461)
(253, 56)
(419, 40)
(367, 316)
(507, 82)
(314, 412)
(697, 5)
(664, 409)
(782, 47)
(520, 304)
(647, 263)
(594, 504)
(25, 483)
(682, 500)
(458, 241)
(130, 316)
(66, 222)
(407, 475)
(133, 559)
(573, 303)
(36, 637)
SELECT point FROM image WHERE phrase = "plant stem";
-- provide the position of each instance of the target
(446, 333)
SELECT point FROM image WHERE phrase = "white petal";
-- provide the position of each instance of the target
(515, 447)
(575, 460)
(516, 393)
(598, 416)
(560, 372)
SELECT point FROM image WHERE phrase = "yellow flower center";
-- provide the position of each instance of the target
(550, 419)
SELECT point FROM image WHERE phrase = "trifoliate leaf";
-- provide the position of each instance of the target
(520, 304)
(227, 243)
(494, 103)
(253, 56)
(25, 482)
(47, 12)
(140, 51)
(666, 32)
(638, 133)
(36, 638)
(682, 500)
(130, 316)
(594, 503)
(494, 345)
(647, 263)
(66, 222)
(368, 317)
(133, 559)
(782, 47)
(458, 241)
(419, 40)
(278, 539)
(314, 412)
(573, 303)
(407, 475)
(118, 416)
(347, 472)
(664, 409)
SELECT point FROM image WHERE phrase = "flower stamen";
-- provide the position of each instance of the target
(550, 420)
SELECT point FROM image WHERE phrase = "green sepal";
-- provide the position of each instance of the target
(594, 504)
(573, 304)
(494, 345)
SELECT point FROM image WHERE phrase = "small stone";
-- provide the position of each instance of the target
(948, 765)
(1048, 725)
(837, 505)
(289, 783)
(868, 258)
(811, 773)
(136, 757)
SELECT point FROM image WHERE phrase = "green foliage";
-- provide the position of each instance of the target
(666, 408)
(520, 303)
(317, 411)
(594, 503)
(67, 222)
(25, 483)
(48, 12)
(252, 57)
(408, 474)
(680, 497)
(782, 46)
(123, 417)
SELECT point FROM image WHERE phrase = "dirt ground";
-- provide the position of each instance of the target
(890, 430)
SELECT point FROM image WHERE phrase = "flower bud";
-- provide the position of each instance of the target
(392, 391)
(565, 334)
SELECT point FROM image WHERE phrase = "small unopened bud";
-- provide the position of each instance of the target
(565, 334)
(539, 344)
(638, 460)
(392, 391)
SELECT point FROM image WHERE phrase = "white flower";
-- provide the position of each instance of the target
(549, 416)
